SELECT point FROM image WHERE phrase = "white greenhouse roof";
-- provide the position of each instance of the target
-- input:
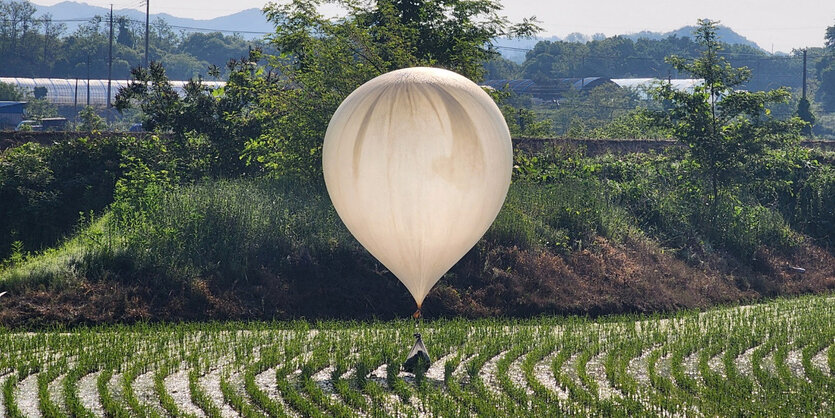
(681, 84)
(72, 91)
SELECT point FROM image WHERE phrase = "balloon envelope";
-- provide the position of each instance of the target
(417, 163)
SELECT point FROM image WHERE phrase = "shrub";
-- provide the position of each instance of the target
(43, 189)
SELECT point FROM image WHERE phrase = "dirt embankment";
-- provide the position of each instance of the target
(604, 278)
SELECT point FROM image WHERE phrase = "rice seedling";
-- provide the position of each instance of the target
(774, 357)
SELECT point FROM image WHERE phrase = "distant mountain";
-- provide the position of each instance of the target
(515, 49)
(726, 35)
(246, 21)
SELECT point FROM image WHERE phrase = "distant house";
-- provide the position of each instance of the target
(11, 113)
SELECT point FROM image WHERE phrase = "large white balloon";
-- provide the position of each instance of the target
(417, 163)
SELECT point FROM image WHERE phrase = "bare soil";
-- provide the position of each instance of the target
(603, 278)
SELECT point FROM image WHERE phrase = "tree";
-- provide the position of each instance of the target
(826, 73)
(724, 129)
(125, 36)
(323, 60)
(90, 120)
(39, 109)
(221, 118)
(804, 112)
(10, 92)
(274, 116)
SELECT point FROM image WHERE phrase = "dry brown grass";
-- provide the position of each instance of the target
(603, 278)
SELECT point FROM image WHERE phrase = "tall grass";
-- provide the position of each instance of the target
(560, 216)
(560, 201)
(229, 227)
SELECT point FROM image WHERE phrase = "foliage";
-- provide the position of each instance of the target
(489, 364)
(215, 122)
(621, 57)
(10, 92)
(814, 213)
(41, 47)
(804, 112)
(39, 109)
(525, 123)
(90, 120)
(580, 113)
(43, 189)
(826, 92)
(323, 60)
(722, 128)
(225, 229)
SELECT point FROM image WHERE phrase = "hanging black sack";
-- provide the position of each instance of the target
(418, 358)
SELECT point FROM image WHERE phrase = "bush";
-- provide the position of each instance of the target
(231, 228)
(43, 189)
(815, 210)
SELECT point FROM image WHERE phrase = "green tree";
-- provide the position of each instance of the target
(826, 73)
(323, 60)
(275, 115)
(10, 92)
(804, 112)
(724, 129)
(39, 109)
(221, 119)
(90, 120)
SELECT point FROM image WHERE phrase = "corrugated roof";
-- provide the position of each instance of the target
(11, 106)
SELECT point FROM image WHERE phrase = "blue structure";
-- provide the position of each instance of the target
(11, 113)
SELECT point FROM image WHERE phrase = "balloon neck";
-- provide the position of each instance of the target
(417, 314)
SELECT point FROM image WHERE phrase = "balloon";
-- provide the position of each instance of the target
(417, 163)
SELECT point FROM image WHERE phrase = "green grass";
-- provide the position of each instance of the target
(295, 354)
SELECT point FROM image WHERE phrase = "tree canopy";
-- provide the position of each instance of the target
(40, 47)
(724, 129)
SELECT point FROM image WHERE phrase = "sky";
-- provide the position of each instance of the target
(775, 25)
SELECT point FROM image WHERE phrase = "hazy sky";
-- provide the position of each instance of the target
(778, 24)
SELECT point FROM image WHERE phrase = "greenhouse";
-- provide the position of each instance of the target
(80, 92)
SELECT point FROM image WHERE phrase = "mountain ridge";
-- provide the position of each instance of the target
(515, 49)
(249, 23)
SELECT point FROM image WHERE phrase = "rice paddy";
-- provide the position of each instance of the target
(775, 358)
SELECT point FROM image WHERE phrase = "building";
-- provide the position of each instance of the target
(11, 113)
(77, 92)
(553, 90)
(641, 85)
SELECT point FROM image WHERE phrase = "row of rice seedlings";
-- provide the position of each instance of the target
(166, 400)
(236, 401)
(45, 403)
(293, 361)
(621, 348)
(9, 403)
(269, 357)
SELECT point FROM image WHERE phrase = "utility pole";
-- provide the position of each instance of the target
(45, 38)
(804, 73)
(88, 78)
(110, 62)
(147, 31)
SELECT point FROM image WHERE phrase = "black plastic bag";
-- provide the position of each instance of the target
(418, 359)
